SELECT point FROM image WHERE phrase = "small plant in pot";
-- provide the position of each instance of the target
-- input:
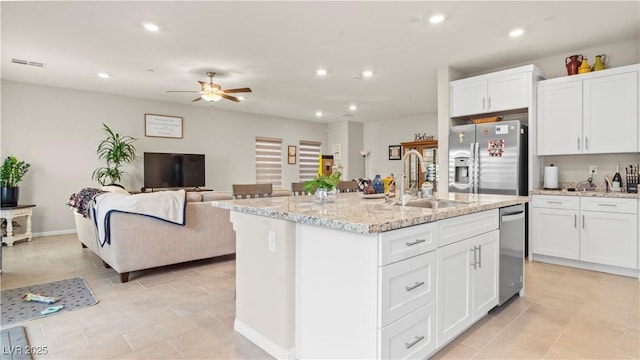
(324, 187)
(11, 174)
(117, 150)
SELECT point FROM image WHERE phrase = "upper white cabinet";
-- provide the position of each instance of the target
(495, 92)
(592, 113)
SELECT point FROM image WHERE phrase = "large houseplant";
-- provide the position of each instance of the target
(117, 150)
(11, 174)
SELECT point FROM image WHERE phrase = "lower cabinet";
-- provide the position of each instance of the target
(467, 283)
(591, 229)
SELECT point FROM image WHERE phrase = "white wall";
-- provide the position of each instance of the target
(57, 131)
(379, 135)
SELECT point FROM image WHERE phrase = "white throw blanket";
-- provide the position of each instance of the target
(163, 205)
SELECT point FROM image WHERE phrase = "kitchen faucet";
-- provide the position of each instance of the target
(400, 195)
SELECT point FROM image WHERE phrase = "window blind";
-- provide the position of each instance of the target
(308, 156)
(269, 161)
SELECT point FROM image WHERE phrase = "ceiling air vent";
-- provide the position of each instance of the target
(28, 63)
(346, 115)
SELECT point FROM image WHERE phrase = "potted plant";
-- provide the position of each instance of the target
(117, 150)
(324, 187)
(11, 174)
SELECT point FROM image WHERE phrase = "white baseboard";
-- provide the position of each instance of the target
(53, 233)
(588, 266)
(262, 342)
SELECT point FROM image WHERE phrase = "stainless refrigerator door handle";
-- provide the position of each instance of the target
(477, 168)
(472, 165)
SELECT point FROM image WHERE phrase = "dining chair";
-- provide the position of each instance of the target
(347, 186)
(244, 191)
(297, 188)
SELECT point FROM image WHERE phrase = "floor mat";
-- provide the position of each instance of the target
(73, 294)
(14, 344)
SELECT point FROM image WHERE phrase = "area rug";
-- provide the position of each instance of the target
(14, 344)
(73, 294)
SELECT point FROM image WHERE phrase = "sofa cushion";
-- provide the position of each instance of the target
(194, 197)
(216, 195)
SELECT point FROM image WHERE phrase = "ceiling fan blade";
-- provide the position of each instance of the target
(191, 91)
(197, 99)
(229, 97)
(239, 90)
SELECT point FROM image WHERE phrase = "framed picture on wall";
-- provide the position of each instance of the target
(162, 126)
(394, 152)
(291, 154)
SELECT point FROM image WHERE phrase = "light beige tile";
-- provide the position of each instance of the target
(588, 342)
(156, 332)
(159, 350)
(107, 348)
(531, 333)
(456, 350)
(630, 344)
(499, 350)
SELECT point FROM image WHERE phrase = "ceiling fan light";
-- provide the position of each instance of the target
(211, 97)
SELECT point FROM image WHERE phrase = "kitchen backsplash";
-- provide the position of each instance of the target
(575, 168)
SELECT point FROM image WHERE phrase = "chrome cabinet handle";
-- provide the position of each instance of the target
(480, 256)
(411, 344)
(474, 258)
(578, 143)
(611, 205)
(586, 143)
(583, 221)
(554, 202)
(489, 103)
(418, 241)
(483, 103)
(575, 220)
(417, 284)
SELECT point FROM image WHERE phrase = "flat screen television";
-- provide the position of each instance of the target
(169, 170)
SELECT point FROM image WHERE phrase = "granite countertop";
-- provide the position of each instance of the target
(564, 192)
(352, 212)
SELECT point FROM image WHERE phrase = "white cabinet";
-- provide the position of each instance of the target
(555, 229)
(611, 113)
(559, 118)
(591, 229)
(498, 91)
(467, 274)
(609, 232)
(592, 113)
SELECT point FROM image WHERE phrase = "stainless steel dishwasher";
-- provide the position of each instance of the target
(512, 226)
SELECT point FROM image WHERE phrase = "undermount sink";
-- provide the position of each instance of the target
(432, 203)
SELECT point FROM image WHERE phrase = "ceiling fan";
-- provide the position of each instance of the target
(214, 92)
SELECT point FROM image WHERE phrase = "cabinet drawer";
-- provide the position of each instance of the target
(613, 205)
(404, 243)
(556, 202)
(466, 226)
(406, 286)
(412, 337)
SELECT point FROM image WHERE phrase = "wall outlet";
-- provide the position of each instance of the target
(593, 169)
(272, 244)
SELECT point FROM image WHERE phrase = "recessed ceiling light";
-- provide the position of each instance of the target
(436, 19)
(367, 73)
(240, 98)
(516, 32)
(104, 75)
(321, 72)
(151, 27)
(353, 107)
(319, 113)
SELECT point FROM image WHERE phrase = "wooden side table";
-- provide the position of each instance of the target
(11, 212)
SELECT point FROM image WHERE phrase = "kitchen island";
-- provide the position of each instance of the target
(357, 278)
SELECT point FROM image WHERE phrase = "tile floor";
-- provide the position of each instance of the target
(186, 311)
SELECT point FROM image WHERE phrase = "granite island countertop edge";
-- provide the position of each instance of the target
(353, 214)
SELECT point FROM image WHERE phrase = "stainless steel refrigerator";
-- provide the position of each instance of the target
(489, 158)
